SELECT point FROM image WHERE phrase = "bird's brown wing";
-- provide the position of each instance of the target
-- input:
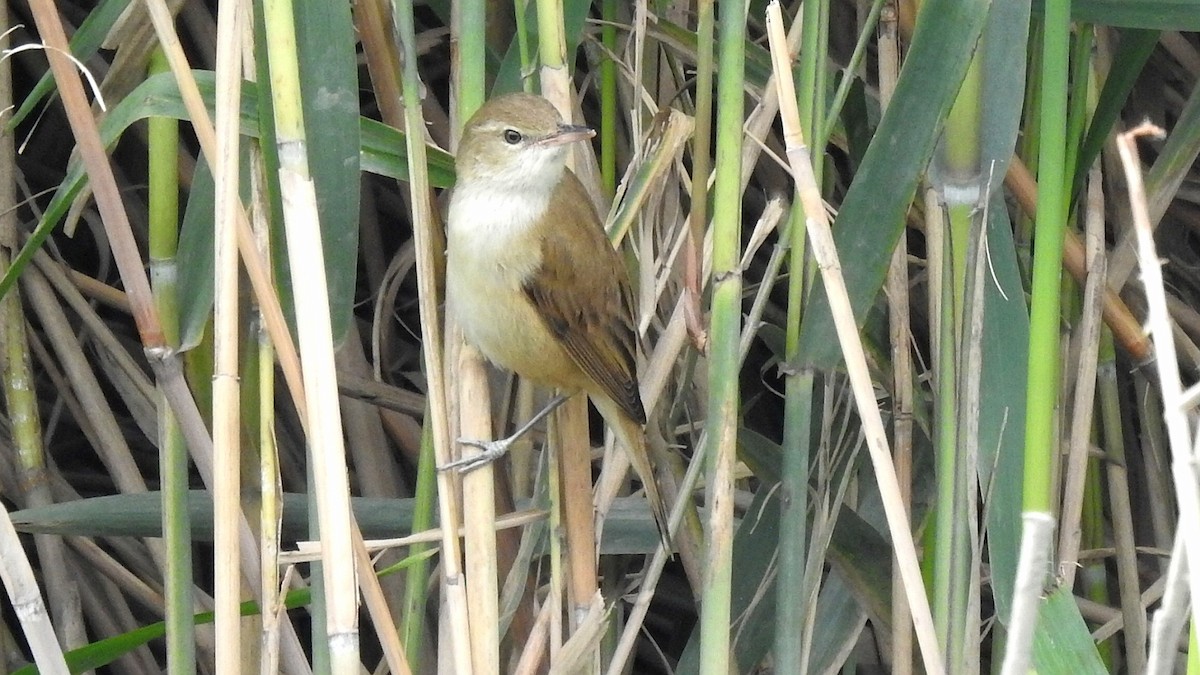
(596, 328)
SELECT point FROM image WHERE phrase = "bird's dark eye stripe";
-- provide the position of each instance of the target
(512, 136)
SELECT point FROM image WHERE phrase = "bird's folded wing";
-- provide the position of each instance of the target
(582, 294)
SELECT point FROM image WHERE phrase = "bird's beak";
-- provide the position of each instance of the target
(568, 133)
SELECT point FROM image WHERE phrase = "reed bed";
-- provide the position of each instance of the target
(916, 300)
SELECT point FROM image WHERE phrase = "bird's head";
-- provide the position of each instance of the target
(516, 142)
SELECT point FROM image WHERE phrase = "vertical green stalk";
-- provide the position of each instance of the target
(946, 441)
(608, 99)
(722, 422)
(21, 405)
(792, 630)
(521, 7)
(811, 85)
(960, 187)
(470, 83)
(163, 135)
(701, 150)
(551, 42)
(1042, 393)
(959, 177)
(790, 647)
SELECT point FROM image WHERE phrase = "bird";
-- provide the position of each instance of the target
(532, 279)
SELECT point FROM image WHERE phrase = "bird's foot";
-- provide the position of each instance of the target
(491, 451)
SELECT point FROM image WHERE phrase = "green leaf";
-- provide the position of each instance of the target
(1149, 14)
(758, 60)
(1002, 405)
(1005, 39)
(195, 260)
(1063, 645)
(872, 213)
(629, 527)
(329, 94)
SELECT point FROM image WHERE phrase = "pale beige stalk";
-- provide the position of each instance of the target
(479, 501)
(1084, 353)
(226, 488)
(899, 318)
(327, 454)
(1184, 455)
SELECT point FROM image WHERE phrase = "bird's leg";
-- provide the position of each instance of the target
(494, 450)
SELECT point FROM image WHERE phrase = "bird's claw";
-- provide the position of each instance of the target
(491, 451)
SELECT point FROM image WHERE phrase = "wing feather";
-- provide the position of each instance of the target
(597, 328)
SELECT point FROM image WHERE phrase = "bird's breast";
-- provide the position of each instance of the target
(492, 250)
(490, 235)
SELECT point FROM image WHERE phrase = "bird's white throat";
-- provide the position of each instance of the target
(483, 209)
(495, 203)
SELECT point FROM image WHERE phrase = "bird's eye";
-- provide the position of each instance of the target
(512, 136)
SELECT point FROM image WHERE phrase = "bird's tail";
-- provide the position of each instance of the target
(632, 436)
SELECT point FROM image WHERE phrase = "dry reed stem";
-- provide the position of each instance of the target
(577, 512)
(26, 599)
(110, 443)
(454, 624)
(767, 222)
(1114, 618)
(226, 489)
(1086, 352)
(107, 194)
(381, 615)
(270, 507)
(534, 649)
(554, 589)
(581, 653)
(653, 569)
(324, 436)
(969, 388)
(1172, 614)
(900, 337)
(1184, 457)
(825, 252)
(652, 171)
(572, 455)
(1133, 611)
(479, 507)
(170, 375)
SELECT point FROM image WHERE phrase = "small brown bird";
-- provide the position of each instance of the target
(532, 278)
